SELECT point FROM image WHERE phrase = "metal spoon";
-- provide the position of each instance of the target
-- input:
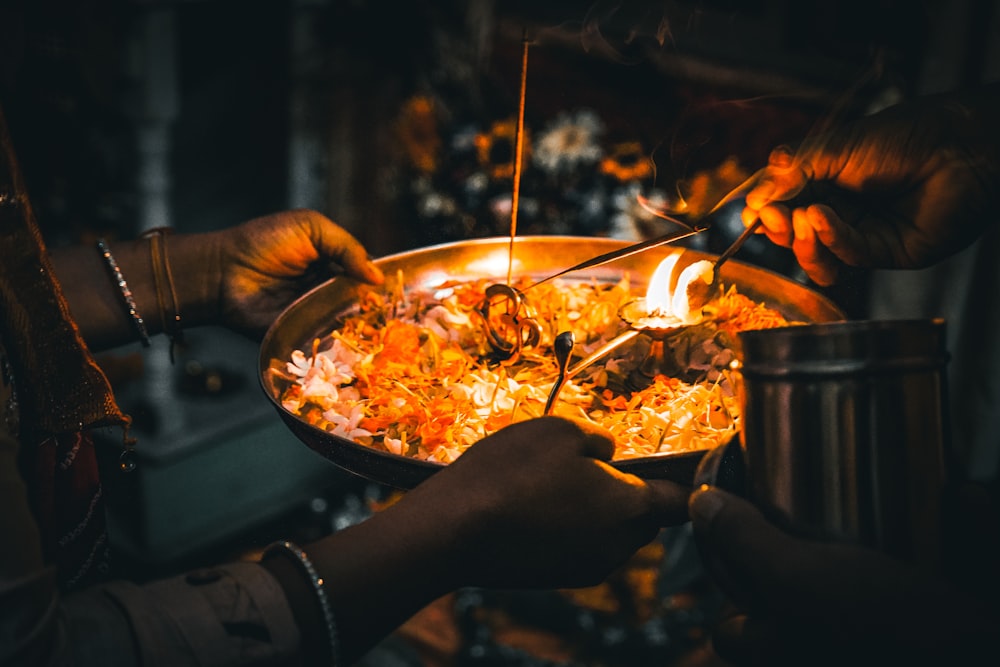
(698, 291)
(563, 347)
(622, 253)
(690, 228)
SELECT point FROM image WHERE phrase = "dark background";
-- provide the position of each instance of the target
(199, 114)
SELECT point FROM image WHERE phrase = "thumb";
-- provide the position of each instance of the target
(670, 501)
(750, 558)
(826, 156)
(356, 263)
(729, 523)
(338, 244)
(762, 567)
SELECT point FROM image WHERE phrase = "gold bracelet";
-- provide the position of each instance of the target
(130, 308)
(163, 277)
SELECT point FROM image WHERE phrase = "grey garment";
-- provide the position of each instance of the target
(235, 614)
(965, 290)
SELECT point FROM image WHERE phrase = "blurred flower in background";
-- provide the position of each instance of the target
(574, 181)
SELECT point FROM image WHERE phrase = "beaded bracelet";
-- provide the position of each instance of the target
(130, 307)
(317, 583)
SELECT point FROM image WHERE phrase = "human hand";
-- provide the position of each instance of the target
(537, 505)
(805, 602)
(268, 262)
(901, 189)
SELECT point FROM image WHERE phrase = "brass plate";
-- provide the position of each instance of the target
(537, 257)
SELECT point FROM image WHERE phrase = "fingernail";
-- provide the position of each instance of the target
(760, 195)
(706, 503)
(375, 272)
(765, 188)
(782, 156)
(802, 228)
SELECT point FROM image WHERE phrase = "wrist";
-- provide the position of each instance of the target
(195, 262)
(382, 571)
(307, 595)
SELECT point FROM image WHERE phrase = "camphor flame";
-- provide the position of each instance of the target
(667, 303)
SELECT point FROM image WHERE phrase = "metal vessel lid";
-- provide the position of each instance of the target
(853, 347)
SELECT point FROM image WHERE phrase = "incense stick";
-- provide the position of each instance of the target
(518, 153)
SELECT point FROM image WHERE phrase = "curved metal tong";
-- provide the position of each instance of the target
(509, 323)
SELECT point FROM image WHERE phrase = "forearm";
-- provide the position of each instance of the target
(96, 302)
(377, 574)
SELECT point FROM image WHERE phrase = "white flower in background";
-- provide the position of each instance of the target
(569, 141)
(477, 182)
(592, 208)
(464, 139)
(502, 207)
(634, 213)
(434, 204)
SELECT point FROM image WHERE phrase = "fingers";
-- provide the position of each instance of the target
(782, 157)
(781, 181)
(776, 222)
(761, 195)
(748, 556)
(769, 572)
(670, 501)
(824, 242)
(596, 442)
(586, 438)
(337, 243)
(550, 443)
(729, 525)
(816, 260)
(784, 177)
(819, 237)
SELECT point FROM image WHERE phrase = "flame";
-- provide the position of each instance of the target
(659, 298)
(667, 297)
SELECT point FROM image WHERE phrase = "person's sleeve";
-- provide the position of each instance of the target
(233, 614)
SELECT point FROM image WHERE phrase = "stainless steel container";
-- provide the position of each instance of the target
(844, 431)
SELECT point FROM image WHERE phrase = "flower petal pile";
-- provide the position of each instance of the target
(413, 374)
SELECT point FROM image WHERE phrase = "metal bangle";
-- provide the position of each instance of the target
(164, 279)
(317, 584)
(130, 307)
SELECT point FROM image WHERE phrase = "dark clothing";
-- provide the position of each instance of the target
(52, 395)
